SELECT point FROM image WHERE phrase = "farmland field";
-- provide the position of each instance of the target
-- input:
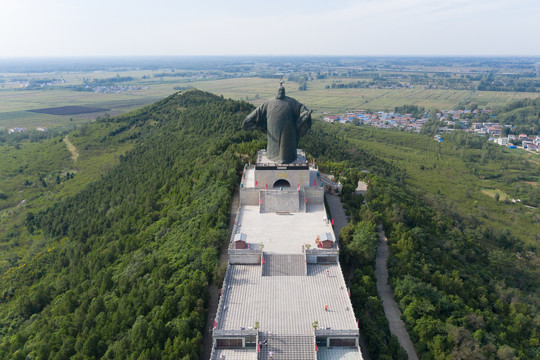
(15, 106)
(256, 90)
(68, 110)
(18, 105)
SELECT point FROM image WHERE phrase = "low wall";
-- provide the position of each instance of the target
(249, 196)
(244, 257)
(325, 255)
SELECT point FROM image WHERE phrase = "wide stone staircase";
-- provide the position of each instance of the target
(290, 347)
(284, 265)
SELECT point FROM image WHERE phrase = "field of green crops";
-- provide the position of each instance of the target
(15, 101)
(318, 98)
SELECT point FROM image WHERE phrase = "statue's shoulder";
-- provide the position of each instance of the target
(267, 102)
(293, 101)
(263, 106)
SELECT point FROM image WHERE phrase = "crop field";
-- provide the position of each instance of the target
(68, 110)
(497, 98)
(320, 99)
(18, 106)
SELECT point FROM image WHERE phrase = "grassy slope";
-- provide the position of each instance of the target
(22, 166)
(443, 168)
(466, 284)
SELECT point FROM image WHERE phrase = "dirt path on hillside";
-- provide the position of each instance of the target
(213, 291)
(391, 309)
(72, 149)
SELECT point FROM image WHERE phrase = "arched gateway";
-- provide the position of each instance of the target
(281, 183)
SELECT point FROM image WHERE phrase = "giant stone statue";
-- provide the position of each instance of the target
(284, 120)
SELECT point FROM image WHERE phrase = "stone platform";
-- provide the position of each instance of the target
(284, 295)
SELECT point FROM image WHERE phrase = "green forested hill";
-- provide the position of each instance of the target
(124, 266)
(120, 268)
(464, 262)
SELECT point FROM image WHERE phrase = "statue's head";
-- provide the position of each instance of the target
(280, 92)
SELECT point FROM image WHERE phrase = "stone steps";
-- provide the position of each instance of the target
(288, 347)
(284, 265)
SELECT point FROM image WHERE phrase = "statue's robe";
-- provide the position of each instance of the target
(284, 121)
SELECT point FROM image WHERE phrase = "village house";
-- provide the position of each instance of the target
(502, 141)
(17, 130)
(453, 120)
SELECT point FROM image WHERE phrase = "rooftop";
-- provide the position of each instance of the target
(235, 354)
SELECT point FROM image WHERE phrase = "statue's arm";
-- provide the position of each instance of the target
(250, 122)
(256, 120)
(304, 121)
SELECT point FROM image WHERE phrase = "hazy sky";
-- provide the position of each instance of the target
(278, 27)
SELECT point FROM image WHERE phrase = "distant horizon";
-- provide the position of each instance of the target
(46, 64)
(338, 56)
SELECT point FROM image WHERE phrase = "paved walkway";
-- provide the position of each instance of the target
(287, 347)
(391, 309)
(338, 214)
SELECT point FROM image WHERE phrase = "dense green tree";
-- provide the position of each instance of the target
(127, 260)
(445, 260)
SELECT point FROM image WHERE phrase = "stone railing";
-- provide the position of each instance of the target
(336, 332)
(234, 333)
(319, 251)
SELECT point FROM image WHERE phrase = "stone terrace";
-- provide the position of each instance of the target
(283, 234)
(291, 288)
(286, 305)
